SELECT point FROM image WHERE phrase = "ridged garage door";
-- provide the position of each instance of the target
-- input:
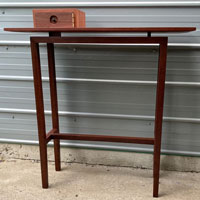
(105, 89)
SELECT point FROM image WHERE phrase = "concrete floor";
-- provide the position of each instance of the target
(20, 180)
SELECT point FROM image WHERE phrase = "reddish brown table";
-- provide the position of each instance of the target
(54, 133)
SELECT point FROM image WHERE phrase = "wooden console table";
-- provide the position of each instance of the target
(54, 133)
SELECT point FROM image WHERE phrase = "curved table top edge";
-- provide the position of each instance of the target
(105, 29)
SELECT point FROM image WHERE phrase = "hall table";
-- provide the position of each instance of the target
(54, 133)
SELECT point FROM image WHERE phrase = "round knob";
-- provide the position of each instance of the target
(53, 19)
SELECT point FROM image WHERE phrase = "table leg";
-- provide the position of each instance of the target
(159, 113)
(40, 111)
(54, 102)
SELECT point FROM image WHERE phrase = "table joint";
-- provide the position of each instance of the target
(49, 134)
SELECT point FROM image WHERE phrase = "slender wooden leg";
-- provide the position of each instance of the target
(159, 113)
(54, 102)
(40, 111)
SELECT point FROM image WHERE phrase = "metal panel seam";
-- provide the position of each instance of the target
(112, 81)
(104, 147)
(27, 43)
(101, 4)
(101, 115)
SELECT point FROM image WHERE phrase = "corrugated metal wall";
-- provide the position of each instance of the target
(90, 99)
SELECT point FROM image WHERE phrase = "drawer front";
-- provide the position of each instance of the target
(54, 19)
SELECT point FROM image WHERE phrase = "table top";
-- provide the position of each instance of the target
(105, 29)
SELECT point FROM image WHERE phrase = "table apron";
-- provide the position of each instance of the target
(109, 40)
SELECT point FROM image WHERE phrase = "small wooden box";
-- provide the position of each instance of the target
(58, 18)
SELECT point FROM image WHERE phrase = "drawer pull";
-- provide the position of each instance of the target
(53, 19)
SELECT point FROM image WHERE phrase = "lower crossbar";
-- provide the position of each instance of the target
(103, 138)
